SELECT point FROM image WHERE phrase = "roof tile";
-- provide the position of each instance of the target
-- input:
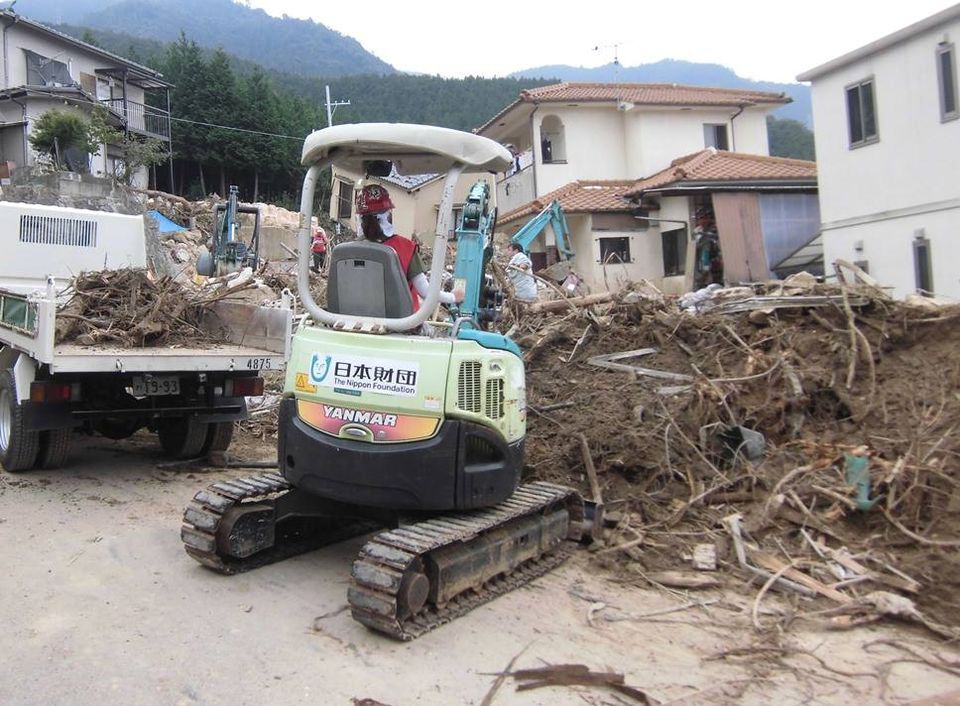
(642, 94)
(577, 197)
(719, 166)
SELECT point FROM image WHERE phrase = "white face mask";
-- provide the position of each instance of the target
(385, 225)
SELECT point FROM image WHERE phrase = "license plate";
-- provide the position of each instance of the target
(156, 385)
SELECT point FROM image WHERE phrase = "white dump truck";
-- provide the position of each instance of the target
(189, 396)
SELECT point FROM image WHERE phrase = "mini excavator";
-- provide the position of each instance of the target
(228, 253)
(417, 432)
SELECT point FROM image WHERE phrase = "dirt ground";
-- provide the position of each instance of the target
(101, 605)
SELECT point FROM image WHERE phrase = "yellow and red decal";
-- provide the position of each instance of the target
(383, 426)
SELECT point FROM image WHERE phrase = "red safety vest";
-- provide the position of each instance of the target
(405, 250)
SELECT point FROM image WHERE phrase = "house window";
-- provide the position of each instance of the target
(674, 251)
(947, 76)
(42, 71)
(715, 135)
(861, 113)
(345, 201)
(614, 250)
(553, 148)
(922, 265)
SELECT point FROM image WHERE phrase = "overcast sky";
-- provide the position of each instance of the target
(759, 39)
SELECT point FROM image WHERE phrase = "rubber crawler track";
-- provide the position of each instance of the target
(383, 559)
(203, 516)
(377, 572)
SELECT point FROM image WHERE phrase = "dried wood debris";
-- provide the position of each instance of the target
(133, 309)
(824, 417)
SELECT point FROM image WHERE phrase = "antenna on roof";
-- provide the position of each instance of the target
(616, 69)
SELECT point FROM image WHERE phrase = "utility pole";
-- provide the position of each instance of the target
(332, 106)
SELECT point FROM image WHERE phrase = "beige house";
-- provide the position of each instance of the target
(44, 69)
(588, 144)
(416, 199)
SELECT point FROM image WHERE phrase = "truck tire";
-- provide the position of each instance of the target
(54, 448)
(183, 438)
(18, 447)
(219, 437)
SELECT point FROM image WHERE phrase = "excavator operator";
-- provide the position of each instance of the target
(376, 224)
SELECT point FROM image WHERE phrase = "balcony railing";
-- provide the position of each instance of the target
(141, 118)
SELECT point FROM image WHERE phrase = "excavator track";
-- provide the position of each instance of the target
(406, 581)
(396, 581)
(210, 507)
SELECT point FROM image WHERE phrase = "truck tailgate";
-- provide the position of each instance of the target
(68, 358)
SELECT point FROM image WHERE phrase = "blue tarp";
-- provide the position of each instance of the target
(166, 225)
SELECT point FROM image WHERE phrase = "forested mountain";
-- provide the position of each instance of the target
(294, 46)
(463, 104)
(683, 73)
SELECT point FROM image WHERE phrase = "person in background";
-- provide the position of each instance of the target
(376, 224)
(708, 268)
(520, 272)
(318, 246)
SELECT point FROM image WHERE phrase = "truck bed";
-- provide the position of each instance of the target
(259, 339)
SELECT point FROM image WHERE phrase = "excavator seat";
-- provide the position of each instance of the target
(366, 280)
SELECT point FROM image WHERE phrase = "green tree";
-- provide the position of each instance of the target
(790, 138)
(56, 131)
(135, 153)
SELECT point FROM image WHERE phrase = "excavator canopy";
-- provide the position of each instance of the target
(413, 149)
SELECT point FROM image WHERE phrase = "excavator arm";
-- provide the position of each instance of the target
(474, 250)
(551, 216)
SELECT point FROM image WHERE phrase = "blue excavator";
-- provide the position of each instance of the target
(386, 424)
(552, 215)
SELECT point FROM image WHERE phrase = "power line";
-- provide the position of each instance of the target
(227, 127)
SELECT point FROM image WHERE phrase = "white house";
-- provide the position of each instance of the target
(43, 69)
(589, 145)
(887, 130)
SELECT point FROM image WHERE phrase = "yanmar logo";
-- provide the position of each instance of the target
(359, 416)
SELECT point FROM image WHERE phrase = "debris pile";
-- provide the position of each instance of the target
(805, 435)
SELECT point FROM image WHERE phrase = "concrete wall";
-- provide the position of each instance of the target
(881, 193)
(887, 248)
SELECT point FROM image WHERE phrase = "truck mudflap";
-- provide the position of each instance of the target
(410, 580)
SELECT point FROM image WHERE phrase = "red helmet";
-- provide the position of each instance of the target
(373, 198)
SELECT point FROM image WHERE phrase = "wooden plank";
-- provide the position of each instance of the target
(741, 237)
(776, 565)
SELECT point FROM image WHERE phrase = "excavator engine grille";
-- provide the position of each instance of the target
(494, 402)
(468, 387)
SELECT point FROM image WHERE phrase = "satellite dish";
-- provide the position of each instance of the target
(76, 160)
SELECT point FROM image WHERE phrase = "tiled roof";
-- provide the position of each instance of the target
(409, 181)
(711, 165)
(642, 94)
(577, 197)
